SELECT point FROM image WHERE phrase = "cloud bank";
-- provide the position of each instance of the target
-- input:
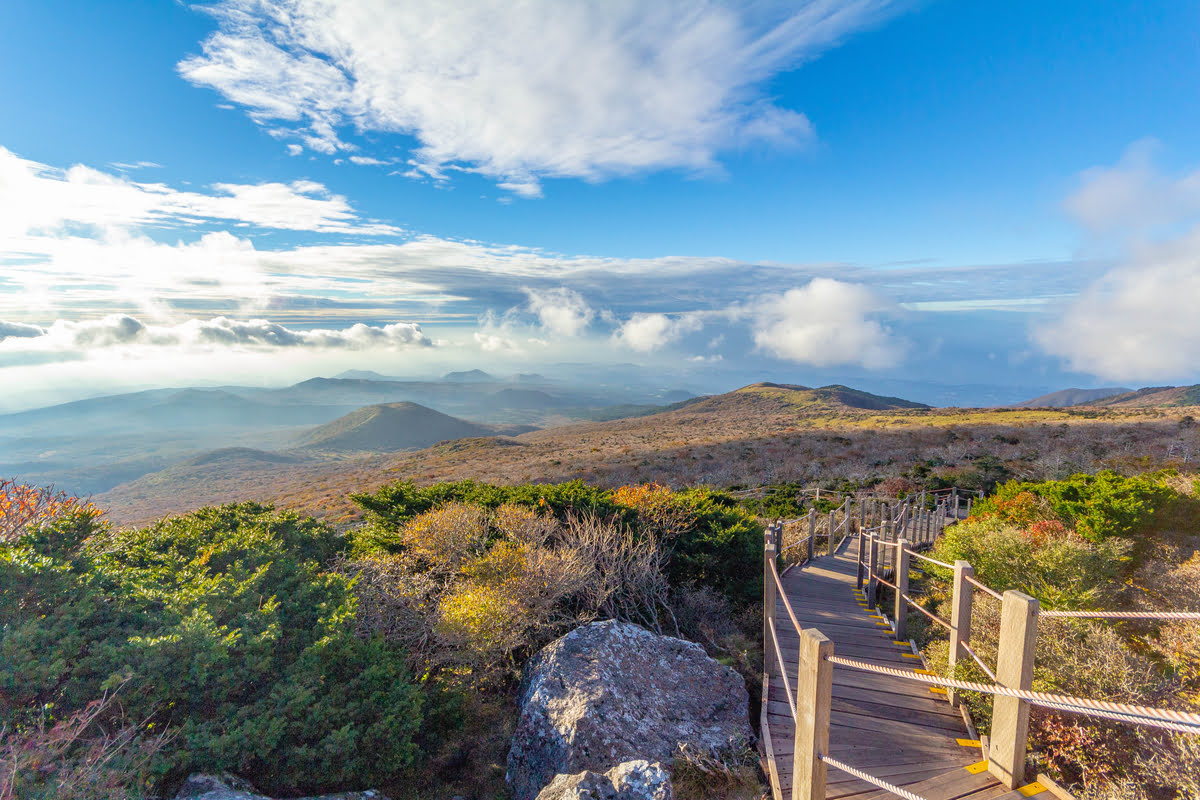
(118, 330)
(1140, 321)
(520, 92)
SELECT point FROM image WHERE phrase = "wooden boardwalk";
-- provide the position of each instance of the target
(896, 730)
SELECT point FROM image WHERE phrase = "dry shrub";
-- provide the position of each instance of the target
(704, 616)
(732, 773)
(395, 601)
(443, 537)
(524, 524)
(92, 753)
(1172, 762)
(658, 508)
(629, 580)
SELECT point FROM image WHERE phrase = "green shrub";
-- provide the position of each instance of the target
(1064, 572)
(227, 625)
(1098, 506)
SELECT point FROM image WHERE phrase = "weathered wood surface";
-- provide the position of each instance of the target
(893, 729)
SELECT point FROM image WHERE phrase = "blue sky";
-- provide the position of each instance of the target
(908, 196)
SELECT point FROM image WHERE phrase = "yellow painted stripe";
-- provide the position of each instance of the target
(924, 672)
(977, 767)
(897, 641)
(1031, 789)
(909, 655)
(884, 624)
(969, 742)
(937, 690)
(878, 616)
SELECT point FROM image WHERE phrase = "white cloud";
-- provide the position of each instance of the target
(648, 332)
(825, 323)
(119, 330)
(19, 330)
(560, 311)
(367, 161)
(490, 342)
(520, 92)
(38, 199)
(1133, 196)
(1139, 322)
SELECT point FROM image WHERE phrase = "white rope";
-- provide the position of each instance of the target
(787, 604)
(978, 660)
(1132, 719)
(979, 585)
(783, 670)
(930, 614)
(795, 544)
(1149, 716)
(1125, 614)
(862, 776)
(930, 560)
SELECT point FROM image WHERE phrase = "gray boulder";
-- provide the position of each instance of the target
(228, 787)
(633, 780)
(611, 692)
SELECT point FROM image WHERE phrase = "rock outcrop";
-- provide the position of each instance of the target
(228, 787)
(611, 692)
(633, 780)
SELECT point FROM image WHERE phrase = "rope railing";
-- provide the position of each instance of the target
(942, 564)
(794, 544)
(871, 779)
(1125, 614)
(980, 586)
(787, 604)
(783, 669)
(1170, 719)
(927, 613)
(986, 669)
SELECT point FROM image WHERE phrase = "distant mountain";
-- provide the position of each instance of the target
(1155, 396)
(230, 455)
(525, 398)
(388, 427)
(1072, 397)
(835, 396)
(529, 377)
(365, 375)
(676, 396)
(470, 376)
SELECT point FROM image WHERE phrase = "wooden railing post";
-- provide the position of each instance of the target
(900, 608)
(771, 664)
(862, 556)
(1014, 669)
(812, 531)
(873, 568)
(954, 494)
(960, 618)
(779, 542)
(814, 694)
(832, 525)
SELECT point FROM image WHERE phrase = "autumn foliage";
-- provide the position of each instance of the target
(24, 506)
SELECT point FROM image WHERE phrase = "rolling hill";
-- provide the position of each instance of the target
(388, 427)
(1072, 397)
(1155, 397)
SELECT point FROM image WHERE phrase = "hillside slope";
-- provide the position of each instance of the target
(388, 427)
(1072, 397)
(1155, 397)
